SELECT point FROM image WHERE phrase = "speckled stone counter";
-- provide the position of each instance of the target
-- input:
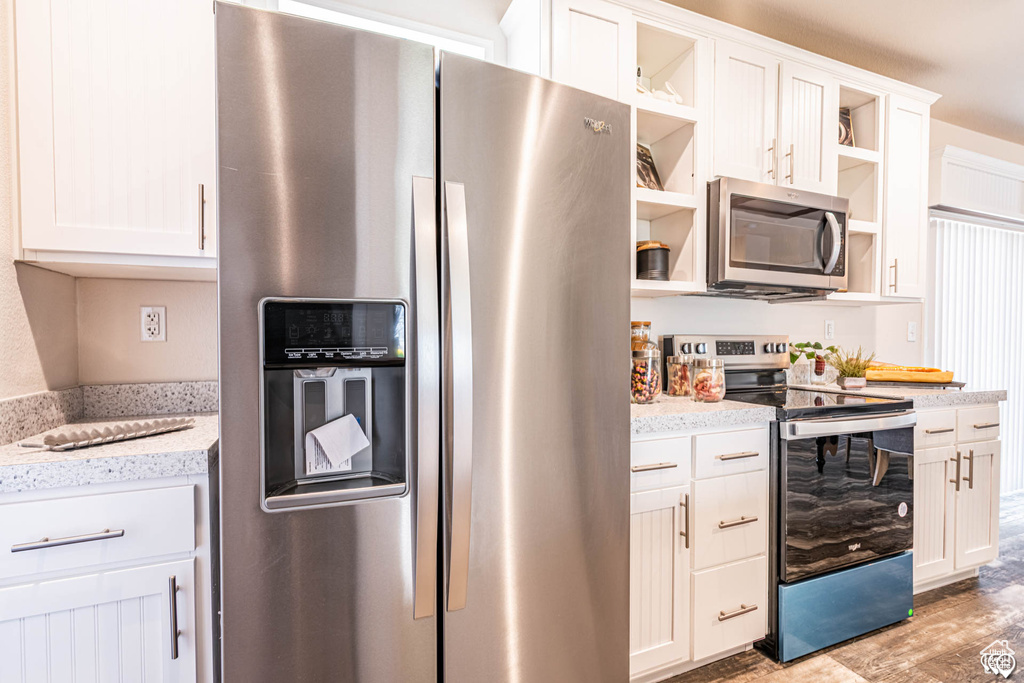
(668, 414)
(164, 455)
(926, 398)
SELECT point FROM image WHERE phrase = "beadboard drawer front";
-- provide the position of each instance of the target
(977, 424)
(730, 518)
(659, 463)
(935, 428)
(730, 452)
(154, 521)
(730, 606)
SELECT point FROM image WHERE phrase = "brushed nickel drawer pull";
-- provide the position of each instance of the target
(172, 592)
(46, 542)
(653, 466)
(944, 430)
(956, 477)
(970, 470)
(744, 609)
(738, 456)
(737, 522)
(986, 425)
(685, 531)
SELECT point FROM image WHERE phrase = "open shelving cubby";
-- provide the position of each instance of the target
(865, 118)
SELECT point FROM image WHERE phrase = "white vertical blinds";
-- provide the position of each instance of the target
(976, 321)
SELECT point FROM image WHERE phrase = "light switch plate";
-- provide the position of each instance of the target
(830, 329)
(154, 323)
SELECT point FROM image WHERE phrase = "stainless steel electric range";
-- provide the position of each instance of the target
(841, 498)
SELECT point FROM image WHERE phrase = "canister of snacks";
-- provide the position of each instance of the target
(708, 380)
(640, 335)
(679, 370)
(645, 381)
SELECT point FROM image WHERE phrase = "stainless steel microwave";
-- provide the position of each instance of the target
(775, 243)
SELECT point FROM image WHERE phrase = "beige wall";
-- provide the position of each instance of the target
(109, 328)
(943, 134)
(38, 334)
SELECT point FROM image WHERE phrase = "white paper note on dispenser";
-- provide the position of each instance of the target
(330, 448)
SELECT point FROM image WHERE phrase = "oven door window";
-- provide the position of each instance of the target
(845, 501)
(771, 235)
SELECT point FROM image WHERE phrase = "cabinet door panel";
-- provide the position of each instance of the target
(977, 505)
(658, 580)
(746, 93)
(934, 513)
(116, 125)
(104, 627)
(906, 197)
(809, 100)
(594, 41)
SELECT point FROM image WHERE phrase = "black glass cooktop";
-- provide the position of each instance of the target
(803, 403)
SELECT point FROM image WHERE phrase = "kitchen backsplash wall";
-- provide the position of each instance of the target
(109, 329)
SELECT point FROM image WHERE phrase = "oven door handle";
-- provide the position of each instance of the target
(837, 242)
(803, 429)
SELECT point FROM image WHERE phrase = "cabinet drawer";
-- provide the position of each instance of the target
(730, 518)
(730, 452)
(729, 606)
(977, 424)
(66, 533)
(659, 463)
(935, 428)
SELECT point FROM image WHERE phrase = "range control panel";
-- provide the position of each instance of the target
(739, 352)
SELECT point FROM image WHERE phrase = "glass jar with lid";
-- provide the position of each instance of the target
(708, 380)
(679, 370)
(640, 335)
(645, 379)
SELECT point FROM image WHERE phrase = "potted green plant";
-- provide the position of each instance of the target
(813, 352)
(851, 367)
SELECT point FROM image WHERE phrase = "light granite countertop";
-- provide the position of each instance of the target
(924, 398)
(670, 414)
(163, 455)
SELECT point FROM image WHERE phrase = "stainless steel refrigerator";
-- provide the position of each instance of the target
(439, 248)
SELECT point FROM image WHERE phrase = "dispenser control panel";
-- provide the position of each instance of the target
(303, 332)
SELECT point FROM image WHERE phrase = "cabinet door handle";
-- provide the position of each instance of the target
(944, 430)
(46, 542)
(653, 466)
(970, 470)
(986, 425)
(895, 268)
(775, 158)
(202, 217)
(737, 522)
(172, 592)
(956, 477)
(792, 163)
(685, 530)
(744, 609)
(738, 456)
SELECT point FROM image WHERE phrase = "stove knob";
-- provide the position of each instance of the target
(780, 347)
(769, 348)
(686, 348)
(702, 348)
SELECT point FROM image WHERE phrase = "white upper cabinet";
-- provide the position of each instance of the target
(808, 109)
(906, 197)
(746, 102)
(116, 125)
(598, 38)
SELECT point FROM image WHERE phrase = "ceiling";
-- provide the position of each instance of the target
(969, 51)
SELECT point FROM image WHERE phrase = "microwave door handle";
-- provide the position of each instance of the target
(461, 393)
(428, 391)
(837, 242)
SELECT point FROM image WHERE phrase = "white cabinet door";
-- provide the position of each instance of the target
(659, 568)
(977, 505)
(593, 46)
(112, 626)
(934, 512)
(906, 197)
(809, 111)
(746, 96)
(116, 125)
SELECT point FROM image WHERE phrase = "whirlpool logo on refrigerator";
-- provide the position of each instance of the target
(598, 127)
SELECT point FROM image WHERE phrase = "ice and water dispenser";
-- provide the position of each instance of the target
(333, 403)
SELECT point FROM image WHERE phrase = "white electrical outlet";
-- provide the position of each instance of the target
(911, 331)
(830, 329)
(154, 323)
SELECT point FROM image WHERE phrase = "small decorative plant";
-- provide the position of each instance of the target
(808, 349)
(849, 364)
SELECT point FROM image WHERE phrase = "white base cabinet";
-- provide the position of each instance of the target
(106, 627)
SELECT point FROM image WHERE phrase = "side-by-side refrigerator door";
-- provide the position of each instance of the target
(535, 186)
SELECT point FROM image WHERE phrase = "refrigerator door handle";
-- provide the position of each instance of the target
(428, 395)
(462, 393)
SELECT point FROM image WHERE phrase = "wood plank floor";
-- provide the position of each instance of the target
(939, 644)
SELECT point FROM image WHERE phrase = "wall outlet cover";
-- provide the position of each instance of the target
(154, 323)
(830, 329)
(911, 331)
